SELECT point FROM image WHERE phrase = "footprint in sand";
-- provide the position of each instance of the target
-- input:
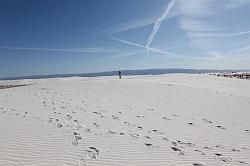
(139, 127)
(140, 116)
(165, 139)
(199, 151)
(96, 125)
(156, 131)
(90, 153)
(59, 125)
(134, 135)
(103, 110)
(129, 107)
(174, 115)
(87, 130)
(127, 123)
(207, 121)
(226, 159)
(174, 143)
(112, 132)
(77, 136)
(235, 150)
(165, 118)
(63, 107)
(219, 156)
(151, 146)
(148, 144)
(68, 117)
(83, 109)
(177, 150)
(115, 117)
(213, 147)
(148, 137)
(23, 114)
(74, 142)
(221, 127)
(242, 162)
(186, 143)
(97, 113)
(198, 164)
(50, 120)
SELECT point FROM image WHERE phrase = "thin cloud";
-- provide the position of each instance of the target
(237, 3)
(193, 21)
(237, 34)
(128, 26)
(221, 35)
(157, 24)
(199, 19)
(128, 54)
(147, 65)
(137, 23)
(76, 50)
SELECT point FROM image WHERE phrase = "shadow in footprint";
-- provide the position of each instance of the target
(148, 144)
(177, 150)
(242, 162)
(198, 164)
(221, 127)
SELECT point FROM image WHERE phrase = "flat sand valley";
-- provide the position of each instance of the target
(174, 119)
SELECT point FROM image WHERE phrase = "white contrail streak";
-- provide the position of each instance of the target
(158, 23)
(148, 48)
(127, 42)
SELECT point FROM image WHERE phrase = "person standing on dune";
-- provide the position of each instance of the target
(120, 74)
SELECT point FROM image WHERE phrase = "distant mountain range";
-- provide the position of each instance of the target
(124, 72)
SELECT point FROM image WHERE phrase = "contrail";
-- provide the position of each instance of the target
(141, 46)
(158, 24)
(127, 42)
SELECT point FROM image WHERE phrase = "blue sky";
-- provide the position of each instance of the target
(62, 36)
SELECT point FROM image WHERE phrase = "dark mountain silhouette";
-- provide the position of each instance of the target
(124, 72)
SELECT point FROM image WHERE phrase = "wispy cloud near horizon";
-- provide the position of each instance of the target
(76, 50)
(129, 25)
(237, 3)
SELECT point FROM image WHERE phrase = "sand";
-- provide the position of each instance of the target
(174, 119)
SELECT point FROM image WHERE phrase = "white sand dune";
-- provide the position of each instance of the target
(175, 119)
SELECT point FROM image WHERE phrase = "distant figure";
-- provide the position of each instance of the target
(120, 74)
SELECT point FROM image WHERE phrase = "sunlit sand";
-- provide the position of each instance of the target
(175, 119)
